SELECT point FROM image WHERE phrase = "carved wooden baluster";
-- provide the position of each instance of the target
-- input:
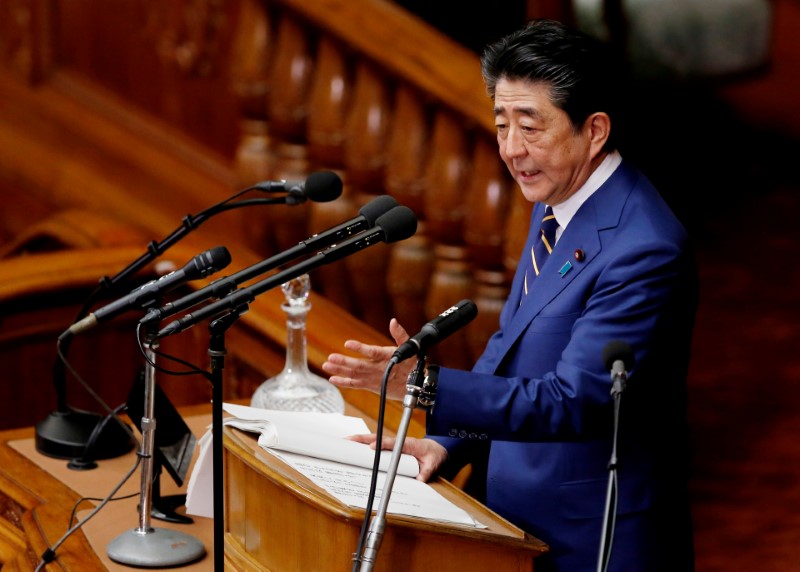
(491, 292)
(516, 229)
(445, 207)
(411, 263)
(365, 158)
(488, 204)
(486, 221)
(408, 150)
(367, 128)
(330, 93)
(290, 81)
(287, 111)
(248, 67)
(408, 280)
(446, 180)
(452, 281)
(249, 72)
(27, 40)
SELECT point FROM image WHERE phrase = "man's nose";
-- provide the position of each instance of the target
(514, 145)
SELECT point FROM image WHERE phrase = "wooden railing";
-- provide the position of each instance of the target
(365, 90)
(142, 111)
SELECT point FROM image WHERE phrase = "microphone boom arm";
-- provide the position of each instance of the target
(51, 431)
(245, 296)
(368, 215)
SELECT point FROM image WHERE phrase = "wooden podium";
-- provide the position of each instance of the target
(279, 520)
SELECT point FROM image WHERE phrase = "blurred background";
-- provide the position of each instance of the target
(118, 118)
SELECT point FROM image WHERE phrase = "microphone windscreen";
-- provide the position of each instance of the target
(377, 207)
(455, 318)
(218, 258)
(207, 263)
(398, 224)
(323, 186)
(618, 350)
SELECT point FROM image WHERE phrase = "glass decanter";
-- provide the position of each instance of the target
(296, 388)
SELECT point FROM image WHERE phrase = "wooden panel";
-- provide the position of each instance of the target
(36, 507)
(166, 58)
(279, 519)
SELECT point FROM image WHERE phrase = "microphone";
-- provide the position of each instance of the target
(618, 357)
(446, 323)
(397, 224)
(366, 219)
(369, 214)
(320, 187)
(200, 266)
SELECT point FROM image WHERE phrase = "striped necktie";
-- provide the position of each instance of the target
(542, 247)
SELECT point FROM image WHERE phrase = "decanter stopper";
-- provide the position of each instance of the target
(296, 388)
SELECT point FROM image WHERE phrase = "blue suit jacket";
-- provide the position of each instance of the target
(535, 416)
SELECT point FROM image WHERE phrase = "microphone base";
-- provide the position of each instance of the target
(66, 434)
(155, 548)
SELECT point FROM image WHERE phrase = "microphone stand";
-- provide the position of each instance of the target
(146, 546)
(417, 394)
(217, 352)
(610, 514)
(67, 433)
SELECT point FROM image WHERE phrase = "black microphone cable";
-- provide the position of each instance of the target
(50, 553)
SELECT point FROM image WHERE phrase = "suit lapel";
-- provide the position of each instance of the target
(601, 211)
(551, 283)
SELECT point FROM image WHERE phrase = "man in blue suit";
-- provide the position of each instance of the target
(535, 417)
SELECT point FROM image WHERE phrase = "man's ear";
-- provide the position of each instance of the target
(599, 126)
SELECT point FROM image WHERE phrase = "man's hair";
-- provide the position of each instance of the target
(581, 72)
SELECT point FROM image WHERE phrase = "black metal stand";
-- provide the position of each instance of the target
(610, 515)
(69, 433)
(217, 352)
(165, 507)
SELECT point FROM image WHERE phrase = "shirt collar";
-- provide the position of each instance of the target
(566, 210)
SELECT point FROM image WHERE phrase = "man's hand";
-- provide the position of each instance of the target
(430, 454)
(367, 372)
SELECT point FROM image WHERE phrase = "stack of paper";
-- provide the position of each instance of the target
(316, 445)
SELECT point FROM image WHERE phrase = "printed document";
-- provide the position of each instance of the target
(316, 445)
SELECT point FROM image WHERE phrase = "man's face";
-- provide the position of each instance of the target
(547, 158)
